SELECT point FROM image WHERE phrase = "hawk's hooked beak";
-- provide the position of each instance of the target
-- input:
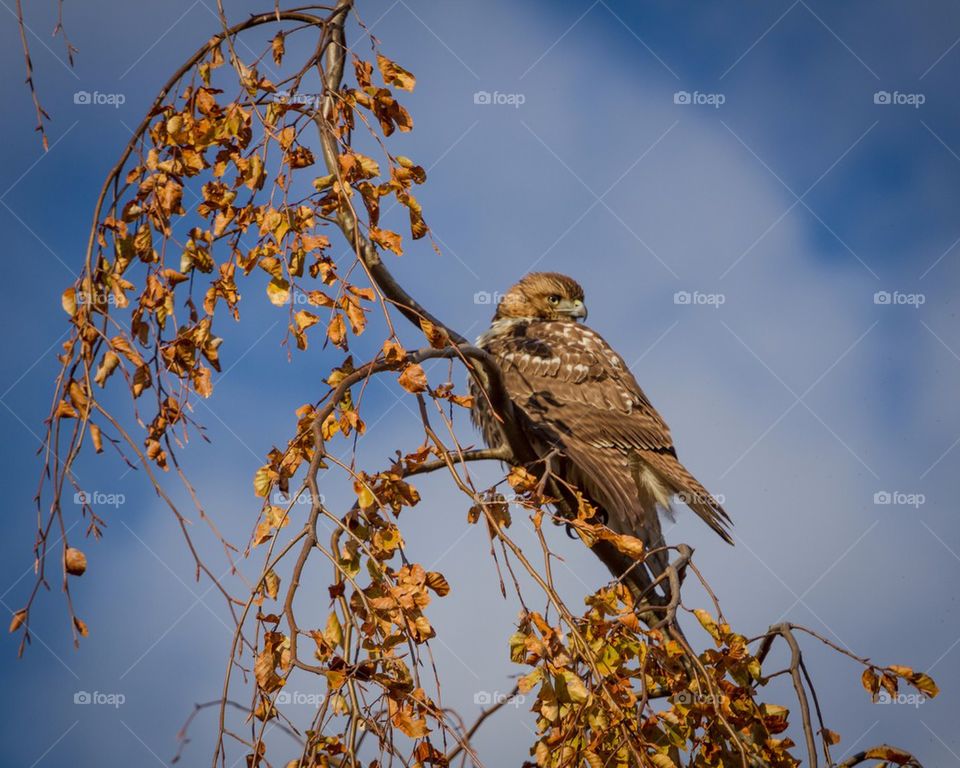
(575, 309)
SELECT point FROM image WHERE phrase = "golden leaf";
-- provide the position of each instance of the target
(576, 690)
(96, 437)
(924, 683)
(394, 74)
(438, 583)
(365, 496)
(278, 291)
(437, 336)
(107, 366)
(885, 752)
(271, 584)
(69, 301)
(413, 379)
(707, 622)
(305, 319)
(277, 44)
(628, 545)
(337, 331)
(662, 761)
(393, 352)
(262, 481)
(333, 633)
(387, 239)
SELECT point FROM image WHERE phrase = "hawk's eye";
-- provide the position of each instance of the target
(553, 299)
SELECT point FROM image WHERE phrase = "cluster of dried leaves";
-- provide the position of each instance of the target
(216, 187)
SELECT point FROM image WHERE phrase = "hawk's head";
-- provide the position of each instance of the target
(543, 296)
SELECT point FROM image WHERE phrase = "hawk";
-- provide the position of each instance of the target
(579, 404)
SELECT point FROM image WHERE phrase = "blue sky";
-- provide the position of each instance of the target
(781, 200)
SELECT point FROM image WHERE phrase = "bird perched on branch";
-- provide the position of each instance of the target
(579, 404)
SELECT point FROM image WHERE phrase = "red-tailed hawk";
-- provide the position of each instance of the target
(577, 397)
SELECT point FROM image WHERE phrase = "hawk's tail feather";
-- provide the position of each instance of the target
(691, 492)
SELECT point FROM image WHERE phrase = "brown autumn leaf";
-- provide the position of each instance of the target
(387, 239)
(394, 74)
(69, 301)
(438, 583)
(337, 331)
(277, 44)
(263, 480)
(356, 316)
(922, 682)
(81, 626)
(891, 754)
(278, 291)
(107, 366)
(393, 351)
(708, 623)
(413, 379)
(628, 545)
(97, 437)
(75, 562)
(436, 336)
(271, 584)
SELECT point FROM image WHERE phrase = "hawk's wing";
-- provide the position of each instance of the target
(567, 379)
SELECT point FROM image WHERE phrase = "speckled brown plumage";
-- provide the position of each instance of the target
(577, 395)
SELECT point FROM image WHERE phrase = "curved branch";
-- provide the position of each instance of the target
(874, 754)
(487, 373)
